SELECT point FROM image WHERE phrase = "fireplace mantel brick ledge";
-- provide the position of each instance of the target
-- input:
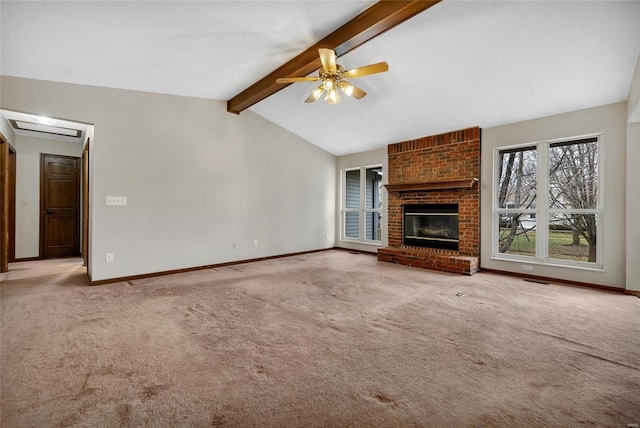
(439, 169)
(432, 185)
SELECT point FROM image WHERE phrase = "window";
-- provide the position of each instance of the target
(362, 204)
(547, 203)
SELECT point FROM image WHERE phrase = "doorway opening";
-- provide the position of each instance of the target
(51, 208)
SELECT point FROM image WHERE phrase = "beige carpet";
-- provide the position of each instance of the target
(322, 340)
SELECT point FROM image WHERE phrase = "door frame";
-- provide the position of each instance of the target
(12, 204)
(85, 204)
(42, 193)
(8, 200)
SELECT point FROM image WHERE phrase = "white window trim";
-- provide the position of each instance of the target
(361, 209)
(542, 211)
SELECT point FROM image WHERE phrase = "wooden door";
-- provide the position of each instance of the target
(59, 197)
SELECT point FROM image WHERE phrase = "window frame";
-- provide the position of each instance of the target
(542, 211)
(362, 210)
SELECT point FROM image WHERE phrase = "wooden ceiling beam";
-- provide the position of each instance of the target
(374, 21)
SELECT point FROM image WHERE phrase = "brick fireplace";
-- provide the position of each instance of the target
(430, 178)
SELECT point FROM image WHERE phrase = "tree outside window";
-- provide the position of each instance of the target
(547, 204)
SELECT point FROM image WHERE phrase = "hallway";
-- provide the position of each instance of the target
(56, 272)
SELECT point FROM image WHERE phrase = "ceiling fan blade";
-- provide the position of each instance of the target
(296, 79)
(328, 59)
(358, 93)
(379, 67)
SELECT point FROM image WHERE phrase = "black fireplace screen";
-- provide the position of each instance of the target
(431, 225)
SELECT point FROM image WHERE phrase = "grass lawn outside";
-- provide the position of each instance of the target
(560, 245)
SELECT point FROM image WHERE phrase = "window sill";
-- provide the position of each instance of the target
(355, 241)
(549, 264)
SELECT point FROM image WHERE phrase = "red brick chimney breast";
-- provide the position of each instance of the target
(439, 169)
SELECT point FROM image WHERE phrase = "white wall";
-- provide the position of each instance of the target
(633, 182)
(197, 178)
(7, 131)
(372, 157)
(609, 119)
(28, 150)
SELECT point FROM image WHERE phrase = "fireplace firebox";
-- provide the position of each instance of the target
(431, 226)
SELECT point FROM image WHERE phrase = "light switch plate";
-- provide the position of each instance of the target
(117, 200)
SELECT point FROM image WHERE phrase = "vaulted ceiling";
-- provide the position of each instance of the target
(458, 64)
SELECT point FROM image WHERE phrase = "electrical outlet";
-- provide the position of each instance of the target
(527, 267)
(109, 257)
(117, 200)
(255, 242)
(235, 246)
(326, 236)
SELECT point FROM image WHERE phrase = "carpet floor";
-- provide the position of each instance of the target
(327, 339)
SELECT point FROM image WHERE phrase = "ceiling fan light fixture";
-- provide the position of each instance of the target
(317, 92)
(332, 97)
(332, 77)
(328, 84)
(346, 87)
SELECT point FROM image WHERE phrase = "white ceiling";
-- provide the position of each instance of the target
(458, 64)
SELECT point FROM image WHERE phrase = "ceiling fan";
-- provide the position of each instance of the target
(333, 78)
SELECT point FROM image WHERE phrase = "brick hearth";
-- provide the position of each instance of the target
(440, 169)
